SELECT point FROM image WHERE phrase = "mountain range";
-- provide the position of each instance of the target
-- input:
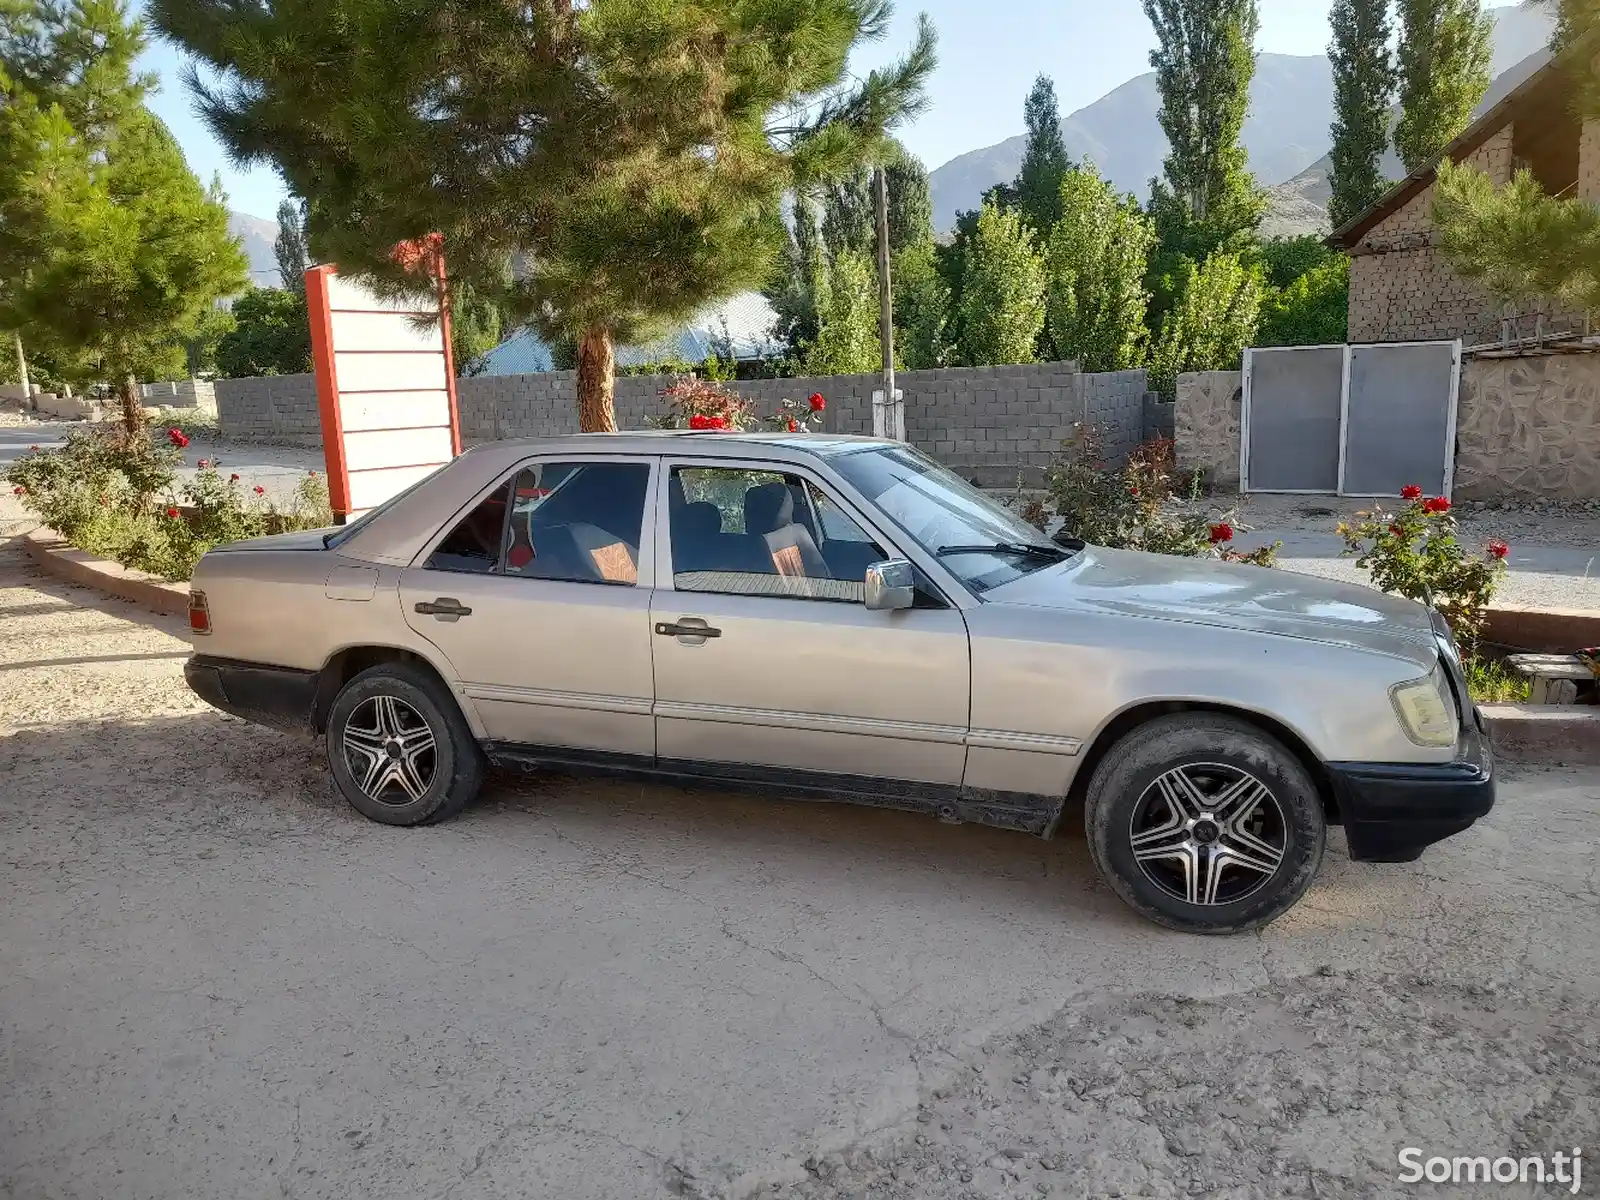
(257, 235)
(1286, 132)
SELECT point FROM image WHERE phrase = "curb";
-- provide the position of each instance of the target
(47, 549)
(1544, 630)
(1550, 734)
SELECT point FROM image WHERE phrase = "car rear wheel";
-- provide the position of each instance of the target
(400, 750)
(1204, 823)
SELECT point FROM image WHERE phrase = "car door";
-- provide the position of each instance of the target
(765, 653)
(539, 596)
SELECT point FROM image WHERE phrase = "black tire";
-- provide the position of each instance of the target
(444, 776)
(1131, 784)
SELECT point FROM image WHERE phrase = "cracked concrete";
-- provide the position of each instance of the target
(217, 980)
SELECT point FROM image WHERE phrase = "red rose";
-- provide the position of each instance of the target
(1397, 531)
(1222, 532)
(177, 437)
(33, 449)
(19, 491)
(699, 421)
(1411, 492)
(1499, 549)
(717, 422)
(794, 426)
(1134, 490)
(817, 402)
(203, 463)
(260, 491)
(172, 513)
(1436, 504)
(233, 479)
(312, 474)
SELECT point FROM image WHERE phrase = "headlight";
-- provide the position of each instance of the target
(1427, 709)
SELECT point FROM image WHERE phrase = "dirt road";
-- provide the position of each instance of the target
(216, 980)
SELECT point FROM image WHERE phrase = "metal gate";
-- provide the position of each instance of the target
(1352, 420)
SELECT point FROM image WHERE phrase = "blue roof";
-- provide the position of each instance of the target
(747, 317)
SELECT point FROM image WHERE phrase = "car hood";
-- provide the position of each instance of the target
(304, 539)
(1229, 596)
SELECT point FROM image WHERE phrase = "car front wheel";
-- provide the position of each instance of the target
(1204, 823)
(400, 750)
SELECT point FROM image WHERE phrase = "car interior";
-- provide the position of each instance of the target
(780, 535)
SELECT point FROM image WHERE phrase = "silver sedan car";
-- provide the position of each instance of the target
(844, 619)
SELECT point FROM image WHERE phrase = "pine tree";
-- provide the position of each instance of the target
(1204, 61)
(289, 248)
(1363, 90)
(1517, 242)
(1095, 267)
(123, 252)
(1444, 60)
(666, 137)
(1214, 320)
(847, 341)
(1044, 160)
(1002, 292)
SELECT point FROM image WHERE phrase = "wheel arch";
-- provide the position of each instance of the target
(1131, 718)
(345, 664)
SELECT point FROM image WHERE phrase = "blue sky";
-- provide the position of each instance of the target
(989, 53)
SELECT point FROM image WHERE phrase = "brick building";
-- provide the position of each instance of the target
(1401, 289)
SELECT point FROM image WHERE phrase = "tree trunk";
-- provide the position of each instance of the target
(597, 366)
(132, 407)
(22, 375)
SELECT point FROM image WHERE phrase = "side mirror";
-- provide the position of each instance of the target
(891, 584)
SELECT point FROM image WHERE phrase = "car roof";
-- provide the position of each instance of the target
(396, 534)
(719, 443)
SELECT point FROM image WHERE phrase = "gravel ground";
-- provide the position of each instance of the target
(217, 980)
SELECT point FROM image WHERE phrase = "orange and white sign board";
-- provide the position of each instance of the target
(386, 388)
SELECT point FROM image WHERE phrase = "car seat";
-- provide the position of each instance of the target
(769, 514)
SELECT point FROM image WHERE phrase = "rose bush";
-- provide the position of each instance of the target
(1135, 506)
(1415, 553)
(706, 404)
(115, 496)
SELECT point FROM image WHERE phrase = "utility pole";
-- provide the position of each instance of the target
(22, 375)
(880, 187)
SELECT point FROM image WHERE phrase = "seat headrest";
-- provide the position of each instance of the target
(702, 519)
(768, 506)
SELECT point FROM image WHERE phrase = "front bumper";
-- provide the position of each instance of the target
(278, 696)
(1394, 811)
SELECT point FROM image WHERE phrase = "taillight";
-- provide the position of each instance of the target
(199, 613)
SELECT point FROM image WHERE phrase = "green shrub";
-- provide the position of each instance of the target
(1131, 507)
(1414, 553)
(113, 496)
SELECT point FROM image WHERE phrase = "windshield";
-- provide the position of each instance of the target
(981, 542)
(349, 529)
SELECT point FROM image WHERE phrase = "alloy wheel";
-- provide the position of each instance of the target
(389, 748)
(1208, 834)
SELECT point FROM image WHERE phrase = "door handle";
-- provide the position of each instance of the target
(444, 608)
(689, 627)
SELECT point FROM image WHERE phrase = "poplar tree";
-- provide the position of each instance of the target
(1045, 161)
(1444, 59)
(1095, 268)
(1363, 92)
(1002, 291)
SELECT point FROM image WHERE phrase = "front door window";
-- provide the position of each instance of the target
(747, 532)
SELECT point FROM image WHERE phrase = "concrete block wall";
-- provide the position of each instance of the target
(272, 407)
(993, 424)
(181, 393)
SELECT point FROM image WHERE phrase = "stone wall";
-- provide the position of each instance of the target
(280, 408)
(1206, 425)
(993, 424)
(1401, 288)
(1529, 426)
